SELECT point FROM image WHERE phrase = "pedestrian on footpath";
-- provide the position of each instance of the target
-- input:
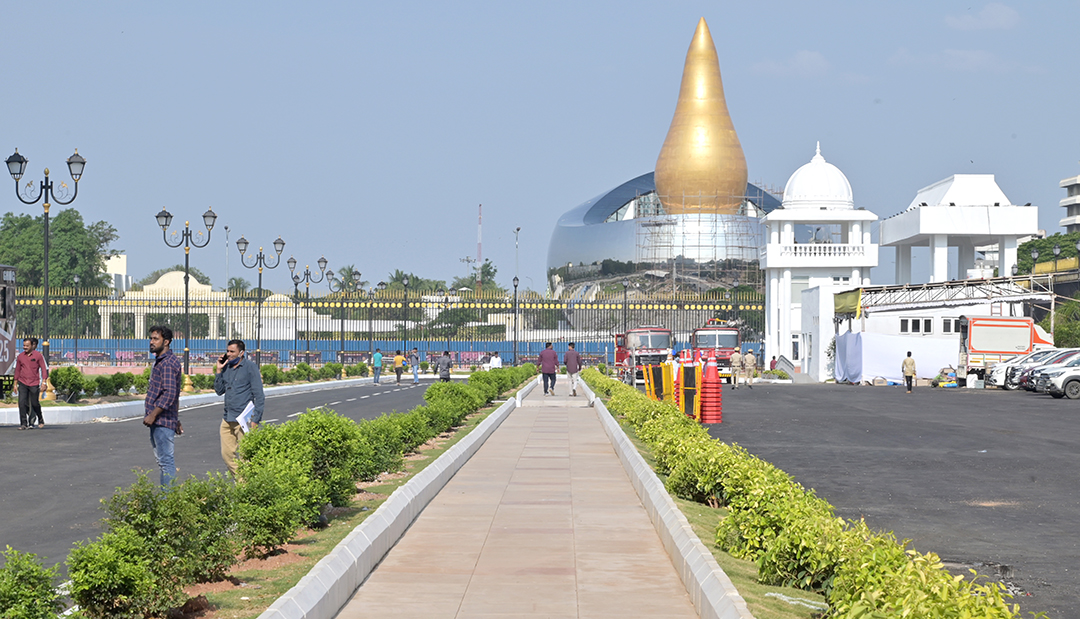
(31, 372)
(736, 369)
(376, 364)
(772, 364)
(908, 368)
(399, 365)
(749, 363)
(240, 381)
(549, 366)
(162, 407)
(572, 361)
(443, 365)
(414, 363)
(496, 360)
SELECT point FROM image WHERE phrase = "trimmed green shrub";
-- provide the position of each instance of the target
(330, 449)
(385, 437)
(424, 365)
(104, 385)
(123, 381)
(26, 588)
(202, 381)
(113, 577)
(360, 369)
(304, 371)
(274, 499)
(67, 381)
(271, 374)
(332, 369)
(190, 528)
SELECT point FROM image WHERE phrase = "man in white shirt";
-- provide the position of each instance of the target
(496, 360)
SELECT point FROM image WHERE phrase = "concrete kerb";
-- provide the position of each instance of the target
(325, 590)
(713, 593)
(64, 415)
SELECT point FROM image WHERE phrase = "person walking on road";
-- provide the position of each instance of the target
(414, 363)
(572, 360)
(31, 372)
(443, 365)
(162, 408)
(749, 363)
(736, 369)
(772, 364)
(376, 364)
(908, 368)
(549, 366)
(399, 365)
(240, 381)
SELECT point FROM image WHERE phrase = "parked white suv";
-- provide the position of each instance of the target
(1064, 382)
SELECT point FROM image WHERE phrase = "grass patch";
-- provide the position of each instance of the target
(743, 573)
(264, 585)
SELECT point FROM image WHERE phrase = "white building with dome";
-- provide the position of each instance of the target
(836, 253)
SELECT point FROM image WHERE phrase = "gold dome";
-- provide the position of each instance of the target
(701, 167)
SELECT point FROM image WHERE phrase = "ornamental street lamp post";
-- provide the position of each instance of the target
(341, 286)
(76, 308)
(405, 317)
(308, 280)
(17, 167)
(187, 239)
(296, 313)
(516, 281)
(260, 262)
(625, 319)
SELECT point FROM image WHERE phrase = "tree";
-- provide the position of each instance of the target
(74, 248)
(196, 274)
(396, 281)
(239, 284)
(487, 278)
(349, 276)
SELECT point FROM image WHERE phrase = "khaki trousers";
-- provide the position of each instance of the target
(230, 441)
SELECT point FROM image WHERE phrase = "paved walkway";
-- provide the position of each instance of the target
(542, 521)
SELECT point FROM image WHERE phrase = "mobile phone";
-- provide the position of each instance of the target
(224, 358)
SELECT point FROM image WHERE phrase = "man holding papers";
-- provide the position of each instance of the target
(239, 380)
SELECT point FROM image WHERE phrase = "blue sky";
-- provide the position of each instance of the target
(369, 132)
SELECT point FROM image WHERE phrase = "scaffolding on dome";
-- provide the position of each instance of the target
(698, 251)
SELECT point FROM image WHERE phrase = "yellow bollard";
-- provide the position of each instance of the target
(188, 387)
(50, 391)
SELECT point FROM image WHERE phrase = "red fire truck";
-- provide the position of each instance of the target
(644, 345)
(717, 339)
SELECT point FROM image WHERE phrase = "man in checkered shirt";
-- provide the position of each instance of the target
(162, 408)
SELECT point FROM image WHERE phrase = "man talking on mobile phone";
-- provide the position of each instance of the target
(239, 380)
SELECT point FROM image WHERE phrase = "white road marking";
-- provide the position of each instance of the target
(334, 403)
(270, 421)
(295, 414)
(364, 397)
(351, 400)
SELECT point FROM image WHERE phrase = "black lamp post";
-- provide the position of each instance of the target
(260, 262)
(405, 317)
(1015, 269)
(342, 287)
(308, 280)
(76, 309)
(296, 312)
(17, 167)
(516, 281)
(625, 307)
(1057, 252)
(187, 239)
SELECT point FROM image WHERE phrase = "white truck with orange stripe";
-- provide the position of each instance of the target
(987, 340)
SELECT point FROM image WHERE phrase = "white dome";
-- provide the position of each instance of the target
(818, 184)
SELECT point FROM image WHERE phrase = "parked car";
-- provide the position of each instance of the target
(1000, 371)
(1013, 374)
(1030, 374)
(1064, 382)
(1042, 381)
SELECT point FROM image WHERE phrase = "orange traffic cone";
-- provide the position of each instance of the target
(711, 394)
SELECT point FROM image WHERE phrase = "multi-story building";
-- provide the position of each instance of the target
(1071, 204)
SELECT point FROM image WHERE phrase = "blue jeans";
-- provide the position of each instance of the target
(378, 370)
(161, 439)
(416, 373)
(550, 377)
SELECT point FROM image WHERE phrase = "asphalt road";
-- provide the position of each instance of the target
(983, 478)
(55, 477)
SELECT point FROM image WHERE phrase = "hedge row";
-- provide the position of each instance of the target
(71, 384)
(157, 542)
(795, 536)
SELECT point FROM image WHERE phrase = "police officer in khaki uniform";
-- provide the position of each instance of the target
(749, 363)
(736, 369)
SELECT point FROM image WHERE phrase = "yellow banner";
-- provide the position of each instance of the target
(848, 302)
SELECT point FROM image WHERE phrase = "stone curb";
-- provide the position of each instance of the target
(712, 592)
(65, 415)
(325, 590)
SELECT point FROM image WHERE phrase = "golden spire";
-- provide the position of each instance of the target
(701, 167)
